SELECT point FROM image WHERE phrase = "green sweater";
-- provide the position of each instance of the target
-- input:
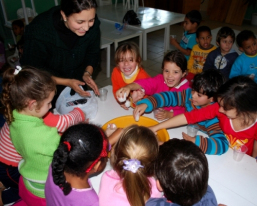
(36, 143)
(44, 49)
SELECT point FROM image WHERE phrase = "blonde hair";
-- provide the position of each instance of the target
(29, 84)
(128, 47)
(136, 142)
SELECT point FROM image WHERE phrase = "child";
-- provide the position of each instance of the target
(236, 110)
(191, 22)
(9, 158)
(132, 158)
(224, 56)
(205, 87)
(82, 151)
(18, 29)
(174, 66)
(128, 61)
(27, 96)
(199, 52)
(182, 174)
(246, 63)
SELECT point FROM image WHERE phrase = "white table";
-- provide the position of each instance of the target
(234, 183)
(151, 20)
(105, 44)
(108, 31)
(214, 33)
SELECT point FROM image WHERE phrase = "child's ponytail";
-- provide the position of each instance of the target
(136, 148)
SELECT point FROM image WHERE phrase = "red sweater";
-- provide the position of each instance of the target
(245, 136)
(118, 82)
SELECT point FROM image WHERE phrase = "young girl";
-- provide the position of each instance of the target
(9, 158)
(174, 66)
(132, 158)
(128, 61)
(82, 152)
(236, 110)
(27, 95)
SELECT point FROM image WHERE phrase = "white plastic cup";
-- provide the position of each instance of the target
(192, 130)
(103, 94)
(239, 152)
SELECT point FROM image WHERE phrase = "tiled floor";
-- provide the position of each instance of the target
(155, 49)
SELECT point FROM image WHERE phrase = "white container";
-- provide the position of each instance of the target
(29, 11)
(254, 19)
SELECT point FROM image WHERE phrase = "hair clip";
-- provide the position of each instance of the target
(68, 145)
(17, 70)
(132, 165)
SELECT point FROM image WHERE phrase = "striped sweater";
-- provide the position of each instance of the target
(8, 154)
(217, 142)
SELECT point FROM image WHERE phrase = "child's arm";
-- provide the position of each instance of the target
(130, 87)
(174, 42)
(62, 122)
(236, 69)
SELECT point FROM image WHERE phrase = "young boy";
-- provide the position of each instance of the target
(18, 29)
(199, 52)
(246, 63)
(182, 174)
(205, 86)
(224, 56)
(191, 22)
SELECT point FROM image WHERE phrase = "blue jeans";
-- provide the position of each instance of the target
(9, 176)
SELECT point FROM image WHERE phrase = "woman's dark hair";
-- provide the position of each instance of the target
(29, 84)
(208, 82)
(86, 144)
(76, 6)
(224, 32)
(176, 57)
(239, 93)
(182, 170)
(244, 36)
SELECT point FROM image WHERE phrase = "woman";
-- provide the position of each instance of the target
(65, 41)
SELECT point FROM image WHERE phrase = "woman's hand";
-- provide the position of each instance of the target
(90, 82)
(75, 85)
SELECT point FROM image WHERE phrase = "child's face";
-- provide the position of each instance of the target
(204, 39)
(17, 30)
(188, 26)
(172, 74)
(199, 99)
(226, 44)
(249, 46)
(127, 63)
(231, 114)
(45, 106)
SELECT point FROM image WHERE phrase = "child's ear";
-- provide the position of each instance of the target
(218, 44)
(63, 16)
(158, 185)
(241, 49)
(197, 40)
(211, 99)
(32, 104)
(97, 165)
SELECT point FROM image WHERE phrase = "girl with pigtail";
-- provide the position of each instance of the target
(131, 181)
(27, 95)
(82, 152)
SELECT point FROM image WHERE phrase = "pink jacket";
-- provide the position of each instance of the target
(156, 84)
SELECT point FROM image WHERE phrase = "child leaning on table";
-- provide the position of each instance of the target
(131, 180)
(82, 152)
(27, 96)
(128, 69)
(182, 175)
(174, 66)
(236, 110)
(199, 52)
(246, 63)
(191, 22)
(204, 89)
(224, 56)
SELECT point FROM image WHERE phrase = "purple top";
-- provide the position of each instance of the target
(55, 197)
(157, 84)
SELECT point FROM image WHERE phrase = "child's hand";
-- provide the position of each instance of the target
(110, 129)
(122, 93)
(188, 138)
(137, 95)
(173, 41)
(124, 106)
(114, 137)
(139, 110)
(162, 114)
